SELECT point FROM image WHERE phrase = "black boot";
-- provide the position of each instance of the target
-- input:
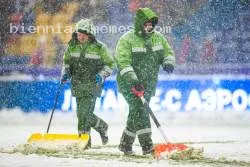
(148, 150)
(102, 128)
(127, 150)
(146, 143)
(104, 136)
(88, 146)
(89, 141)
(126, 142)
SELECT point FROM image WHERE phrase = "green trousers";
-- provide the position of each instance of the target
(138, 123)
(86, 117)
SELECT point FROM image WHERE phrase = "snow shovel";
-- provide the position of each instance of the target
(164, 148)
(54, 137)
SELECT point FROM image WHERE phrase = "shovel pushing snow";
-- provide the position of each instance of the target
(55, 137)
(164, 149)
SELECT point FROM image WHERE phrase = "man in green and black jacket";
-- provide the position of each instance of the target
(87, 63)
(139, 55)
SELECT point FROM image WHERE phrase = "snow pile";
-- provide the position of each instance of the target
(51, 147)
(188, 154)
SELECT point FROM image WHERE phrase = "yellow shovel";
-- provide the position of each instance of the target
(49, 137)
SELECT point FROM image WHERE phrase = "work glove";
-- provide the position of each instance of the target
(65, 78)
(169, 68)
(138, 90)
(99, 79)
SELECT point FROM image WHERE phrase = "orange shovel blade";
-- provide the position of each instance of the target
(168, 147)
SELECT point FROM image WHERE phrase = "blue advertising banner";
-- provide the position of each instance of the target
(179, 94)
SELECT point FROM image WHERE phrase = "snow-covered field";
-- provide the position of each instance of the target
(225, 138)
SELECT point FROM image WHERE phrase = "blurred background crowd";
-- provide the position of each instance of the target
(204, 33)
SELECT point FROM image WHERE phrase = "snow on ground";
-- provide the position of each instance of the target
(225, 138)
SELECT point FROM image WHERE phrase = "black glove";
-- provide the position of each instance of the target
(169, 68)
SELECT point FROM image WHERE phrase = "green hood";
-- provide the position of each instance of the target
(143, 15)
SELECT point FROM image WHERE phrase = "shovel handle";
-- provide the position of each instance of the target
(145, 102)
(54, 107)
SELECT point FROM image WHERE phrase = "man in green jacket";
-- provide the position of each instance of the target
(87, 63)
(139, 55)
